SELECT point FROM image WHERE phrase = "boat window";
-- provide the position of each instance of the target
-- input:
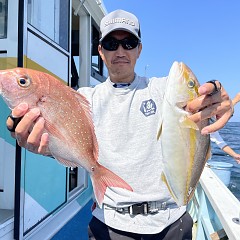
(73, 178)
(77, 179)
(50, 18)
(75, 71)
(97, 63)
(3, 18)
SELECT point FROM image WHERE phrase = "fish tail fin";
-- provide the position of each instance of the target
(106, 178)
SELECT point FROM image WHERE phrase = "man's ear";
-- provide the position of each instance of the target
(100, 51)
(139, 49)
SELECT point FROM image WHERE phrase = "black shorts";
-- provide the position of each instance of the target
(179, 230)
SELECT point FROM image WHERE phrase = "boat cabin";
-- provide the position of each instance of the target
(37, 194)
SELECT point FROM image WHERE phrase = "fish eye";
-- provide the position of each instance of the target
(24, 81)
(191, 83)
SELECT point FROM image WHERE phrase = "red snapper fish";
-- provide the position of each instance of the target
(68, 121)
(185, 150)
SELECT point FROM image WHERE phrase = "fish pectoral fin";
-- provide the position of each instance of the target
(52, 129)
(66, 163)
(188, 123)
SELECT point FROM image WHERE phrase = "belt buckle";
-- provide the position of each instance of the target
(164, 206)
(140, 208)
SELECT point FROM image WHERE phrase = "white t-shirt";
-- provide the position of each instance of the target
(126, 122)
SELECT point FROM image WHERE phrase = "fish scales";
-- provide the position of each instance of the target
(68, 121)
(185, 150)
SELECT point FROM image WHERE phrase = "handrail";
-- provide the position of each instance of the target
(224, 203)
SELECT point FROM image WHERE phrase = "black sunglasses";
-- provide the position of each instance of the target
(112, 44)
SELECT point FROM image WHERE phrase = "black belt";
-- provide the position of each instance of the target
(143, 208)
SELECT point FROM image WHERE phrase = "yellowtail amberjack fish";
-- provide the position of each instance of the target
(68, 121)
(185, 150)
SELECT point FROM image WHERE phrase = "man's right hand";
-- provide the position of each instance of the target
(29, 132)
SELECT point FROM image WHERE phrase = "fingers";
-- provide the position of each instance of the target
(37, 141)
(203, 101)
(25, 126)
(14, 122)
(210, 88)
(212, 102)
(15, 116)
(35, 136)
(220, 123)
(20, 110)
(28, 128)
(207, 98)
(43, 148)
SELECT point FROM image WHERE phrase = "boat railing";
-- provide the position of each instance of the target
(215, 210)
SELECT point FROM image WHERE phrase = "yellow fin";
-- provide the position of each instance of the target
(163, 177)
(159, 132)
(188, 123)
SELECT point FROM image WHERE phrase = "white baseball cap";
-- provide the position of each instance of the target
(120, 20)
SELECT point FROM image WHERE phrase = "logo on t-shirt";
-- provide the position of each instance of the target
(148, 107)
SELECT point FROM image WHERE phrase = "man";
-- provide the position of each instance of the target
(127, 113)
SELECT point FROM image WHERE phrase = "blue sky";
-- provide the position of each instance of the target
(203, 34)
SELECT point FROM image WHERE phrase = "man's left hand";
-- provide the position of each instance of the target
(212, 102)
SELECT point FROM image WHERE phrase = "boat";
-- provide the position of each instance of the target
(214, 208)
(38, 196)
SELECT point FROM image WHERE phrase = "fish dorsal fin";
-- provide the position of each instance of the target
(51, 128)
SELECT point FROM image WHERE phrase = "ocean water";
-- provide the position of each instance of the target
(231, 135)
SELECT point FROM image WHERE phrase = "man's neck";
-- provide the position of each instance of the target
(123, 80)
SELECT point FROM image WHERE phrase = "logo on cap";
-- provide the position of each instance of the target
(119, 20)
